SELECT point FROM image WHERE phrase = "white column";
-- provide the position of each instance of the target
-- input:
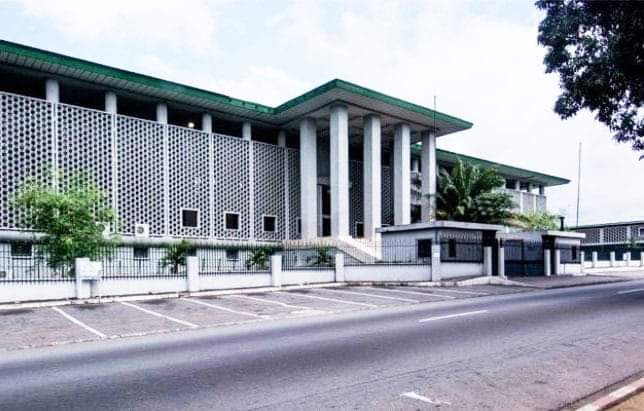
(206, 123)
(162, 113)
(111, 105)
(414, 165)
(246, 130)
(487, 261)
(192, 274)
(162, 117)
(339, 268)
(501, 261)
(308, 179)
(372, 175)
(547, 264)
(557, 263)
(339, 170)
(52, 90)
(276, 270)
(281, 138)
(402, 205)
(594, 259)
(428, 165)
(612, 258)
(517, 185)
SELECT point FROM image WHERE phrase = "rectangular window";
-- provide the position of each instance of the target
(269, 223)
(21, 250)
(298, 225)
(359, 229)
(141, 253)
(232, 254)
(641, 232)
(451, 248)
(189, 218)
(574, 253)
(424, 248)
(232, 221)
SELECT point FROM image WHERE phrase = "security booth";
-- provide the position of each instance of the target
(456, 249)
(538, 253)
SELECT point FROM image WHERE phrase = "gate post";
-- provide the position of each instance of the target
(594, 256)
(436, 262)
(612, 258)
(546, 262)
(192, 274)
(487, 261)
(276, 270)
(627, 258)
(557, 263)
(582, 260)
(501, 259)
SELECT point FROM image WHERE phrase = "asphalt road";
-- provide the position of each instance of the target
(535, 350)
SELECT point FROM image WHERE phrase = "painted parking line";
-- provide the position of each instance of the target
(444, 317)
(449, 297)
(449, 290)
(218, 307)
(415, 396)
(264, 300)
(408, 300)
(636, 290)
(334, 300)
(167, 317)
(79, 323)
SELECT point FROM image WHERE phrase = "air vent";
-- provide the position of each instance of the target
(141, 230)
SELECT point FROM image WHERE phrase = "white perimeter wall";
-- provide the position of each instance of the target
(387, 273)
(301, 277)
(453, 270)
(234, 280)
(25, 291)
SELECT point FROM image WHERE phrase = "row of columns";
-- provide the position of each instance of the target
(372, 179)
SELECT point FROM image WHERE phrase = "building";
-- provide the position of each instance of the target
(618, 238)
(339, 161)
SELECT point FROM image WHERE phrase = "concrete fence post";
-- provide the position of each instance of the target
(436, 263)
(192, 274)
(642, 258)
(612, 258)
(547, 265)
(339, 268)
(276, 270)
(582, 260)
(557, 263)
(627, 259)
(501, 262)
(487, 261)
(595, 258)
(86, 272)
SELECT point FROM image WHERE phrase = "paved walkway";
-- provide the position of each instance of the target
(561, 281)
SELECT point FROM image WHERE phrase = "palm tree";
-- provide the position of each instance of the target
(470, 193)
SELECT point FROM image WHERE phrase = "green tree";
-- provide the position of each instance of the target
(259, 258)
(72, 217)
(470, 193)
(175, 256)
(540, 221)
(597, 48)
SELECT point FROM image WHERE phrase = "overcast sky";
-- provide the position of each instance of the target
(480, 59)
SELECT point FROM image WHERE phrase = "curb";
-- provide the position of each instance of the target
(615, 397)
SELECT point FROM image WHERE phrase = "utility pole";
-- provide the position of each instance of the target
(578, 183)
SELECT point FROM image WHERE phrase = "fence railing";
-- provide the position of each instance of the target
(31, 268)
(308, 257)
(253, 259)
(461, 251)
(124, 263)
(404, 253)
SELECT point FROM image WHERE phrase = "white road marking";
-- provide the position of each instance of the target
(415, 396)
(444, 317)
(77, 322)
(464, 292)
(449, 297)
(156, 314)
(337, 300)
(219, 307)
(408, 300)
(264, 300)
(636, 290)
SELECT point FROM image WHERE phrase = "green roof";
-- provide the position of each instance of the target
(59, 64)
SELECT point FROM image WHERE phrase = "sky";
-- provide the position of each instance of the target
(479, 58)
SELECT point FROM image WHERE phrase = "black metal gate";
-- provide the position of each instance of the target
(523, 257)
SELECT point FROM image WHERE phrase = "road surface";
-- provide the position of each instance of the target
(533, 350)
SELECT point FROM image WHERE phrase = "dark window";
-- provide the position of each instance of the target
(191, 252)
(424, 248)
(141, 253)
(189, 218)
(641, 232)
(269, 223)
(359, 230)
(21, 250)
(326, 200)
(574, 253)
(232, 254)
(298, 225)
(326, 227)
(232, 221)
(451, 248)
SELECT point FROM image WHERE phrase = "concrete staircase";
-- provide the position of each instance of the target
(365, 251)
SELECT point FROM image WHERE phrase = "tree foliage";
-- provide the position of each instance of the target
(540, 221)
(597, 48)
(470, 193)
(72, 217)
(176, 254)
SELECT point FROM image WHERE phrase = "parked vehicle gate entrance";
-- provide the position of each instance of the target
(523, 257)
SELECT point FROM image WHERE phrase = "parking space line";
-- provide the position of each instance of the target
(218, 307)
(337, 300)
(79, 323)
(263, 300)
(409, 300)
(636, 290)
(449, 297)
(464, 292)
(167, 317)
(444, 317)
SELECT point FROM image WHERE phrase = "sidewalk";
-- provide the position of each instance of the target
(626, 398)
(562, 281)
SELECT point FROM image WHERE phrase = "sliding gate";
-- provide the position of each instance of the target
(523, 257)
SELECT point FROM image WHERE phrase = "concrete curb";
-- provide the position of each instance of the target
(615, 397)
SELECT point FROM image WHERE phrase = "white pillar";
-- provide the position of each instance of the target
(612, 258)
(557, 263)
(281, 138)
(162, 113)
(247, 130)
(641, 258)
(111, 105)
(339, 170)
(627, 258)
(308, 179)
(372, 175)
(517, 185)
(402, 201)
(52, 90)
(206, 123)
(487, 261)
(594, 261)
(339, 268)
(276, 270)
(428, 165)
(501, 262)
(192, 274)
(436, 263)
(582, 260)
